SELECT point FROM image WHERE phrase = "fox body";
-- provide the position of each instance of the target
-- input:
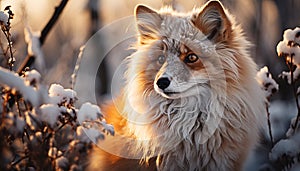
(191, 101)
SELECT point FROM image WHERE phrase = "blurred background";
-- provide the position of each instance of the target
(264, 22)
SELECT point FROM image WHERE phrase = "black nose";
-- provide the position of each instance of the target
(163, 83)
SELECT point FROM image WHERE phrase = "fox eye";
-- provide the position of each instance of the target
(161, 59)
(191, 58)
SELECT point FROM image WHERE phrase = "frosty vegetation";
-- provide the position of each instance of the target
(34, 118)
(284, 152)
(40, 127)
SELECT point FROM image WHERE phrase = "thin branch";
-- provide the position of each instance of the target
(5, 27)
(62, 125)
(19, 160)
(290, 65)
(269, 125)
(52, 21)
(29, 60)
(34, 96)
(11, 57)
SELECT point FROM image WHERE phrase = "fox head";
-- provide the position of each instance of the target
(183, 53)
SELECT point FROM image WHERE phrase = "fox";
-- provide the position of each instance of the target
(191, 100)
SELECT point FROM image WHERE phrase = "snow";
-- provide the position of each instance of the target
(290, 147)
(95, 125)
(88, 135)
(266, 81)
(32, 76)
(108, 127)
(93, 134)
(288, 76)
(34, 47)
(291, 131)
(81, 135)
(289, 35)
(88, 111)
(3, 17)
(49, 113)
(70, 95)
(282, 47)
(284, 146)
(12, 80)
(289, 46)
(60, 95)
(297, 38)
(56, 90)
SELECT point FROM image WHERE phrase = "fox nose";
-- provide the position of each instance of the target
(163, 83)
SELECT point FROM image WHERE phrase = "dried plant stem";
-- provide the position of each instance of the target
(19, 160)
(269, 125)
(44, 33)
(53, 20)
(5, 27)
(75, 72)
(295, 126)
(290, 66)
(11, 57)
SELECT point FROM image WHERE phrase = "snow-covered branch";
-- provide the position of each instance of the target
(36, 96)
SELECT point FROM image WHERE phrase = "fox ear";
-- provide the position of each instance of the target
(213, 22)
(148, 23)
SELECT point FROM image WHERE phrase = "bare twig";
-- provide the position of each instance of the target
(19, 160)
(11, 59)
(290, 66)
(5, 27)
(269, 125)
(52, 21)
(29, 60)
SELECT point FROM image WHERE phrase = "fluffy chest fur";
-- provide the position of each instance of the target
(203, 132)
